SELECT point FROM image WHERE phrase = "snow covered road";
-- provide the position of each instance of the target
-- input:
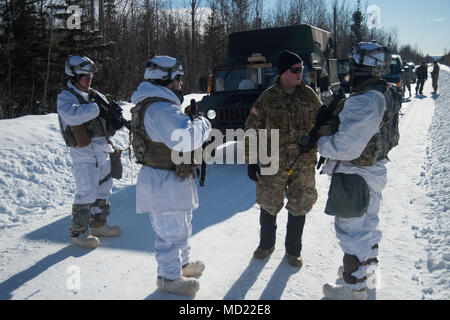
(37, 260)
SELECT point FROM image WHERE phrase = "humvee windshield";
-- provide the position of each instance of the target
(395, 67)
(244, 79)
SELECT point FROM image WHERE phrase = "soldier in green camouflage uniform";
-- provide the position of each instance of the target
(435, 77)
(290, 107)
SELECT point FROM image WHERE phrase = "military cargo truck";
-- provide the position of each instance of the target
(250, 68)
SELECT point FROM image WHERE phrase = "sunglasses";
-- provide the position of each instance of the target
(296, 70)
(178, 78)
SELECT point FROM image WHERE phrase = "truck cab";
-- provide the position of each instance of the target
(250, 68)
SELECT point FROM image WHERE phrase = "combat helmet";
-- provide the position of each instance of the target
(77, 66)
(369, 59)
(163, 69)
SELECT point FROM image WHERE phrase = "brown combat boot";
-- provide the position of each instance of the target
(85, 240)
(261, 253)
(294, 260)
(193, 269)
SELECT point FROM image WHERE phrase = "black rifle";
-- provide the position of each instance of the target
(308, 141)
(191, 111)
(112, 110)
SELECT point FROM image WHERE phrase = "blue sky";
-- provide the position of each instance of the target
(425, 23)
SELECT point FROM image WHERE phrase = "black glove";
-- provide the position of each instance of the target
(191, 110)
(115, 109)
(114, 124)
(322, 115)
(253, 171)
(307, 142)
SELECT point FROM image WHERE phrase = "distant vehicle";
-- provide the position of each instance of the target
(395, 75)
(250, 68)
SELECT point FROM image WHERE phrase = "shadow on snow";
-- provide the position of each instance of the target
(227, 191)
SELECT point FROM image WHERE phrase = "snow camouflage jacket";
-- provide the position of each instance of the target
(153, 154)
(292, 114)
(94, 128)
(387, 138)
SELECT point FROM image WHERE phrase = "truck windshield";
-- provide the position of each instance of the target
(395, 67)
(244, 79)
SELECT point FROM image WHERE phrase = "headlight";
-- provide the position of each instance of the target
(211, 114)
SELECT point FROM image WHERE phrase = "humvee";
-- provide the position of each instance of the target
(250, 68)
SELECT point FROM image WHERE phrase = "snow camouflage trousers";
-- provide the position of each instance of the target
(300, 189)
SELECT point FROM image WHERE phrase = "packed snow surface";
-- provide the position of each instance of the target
(38, 261)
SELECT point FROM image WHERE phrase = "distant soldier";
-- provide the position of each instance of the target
(435, 77)
(422, 76)
(407, 78)
(289, 106)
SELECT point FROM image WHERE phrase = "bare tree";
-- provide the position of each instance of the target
(240, 11)
(101, 15)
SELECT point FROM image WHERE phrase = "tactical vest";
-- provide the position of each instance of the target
(94, 128)
(154, 154)
(387, 138)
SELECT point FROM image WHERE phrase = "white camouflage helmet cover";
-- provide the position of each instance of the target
(77, 65)
(372, 55)
(163, 67)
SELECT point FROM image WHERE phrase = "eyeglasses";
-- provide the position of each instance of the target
(87, 76)
(178, 77)
(296, 70)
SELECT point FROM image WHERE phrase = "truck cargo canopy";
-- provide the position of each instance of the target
(302, 39)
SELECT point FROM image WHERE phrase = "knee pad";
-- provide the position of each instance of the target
(351, 264)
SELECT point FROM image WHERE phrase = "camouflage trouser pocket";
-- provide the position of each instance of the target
(301, 191)
(80, 219)
(270, 192)
(100, 212)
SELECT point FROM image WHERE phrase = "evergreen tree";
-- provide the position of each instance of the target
(76, 40)
(358, 29)
(22, 42)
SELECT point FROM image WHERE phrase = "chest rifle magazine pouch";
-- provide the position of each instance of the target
(81, 136)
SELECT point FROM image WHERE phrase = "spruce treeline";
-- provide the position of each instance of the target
(36, 37)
